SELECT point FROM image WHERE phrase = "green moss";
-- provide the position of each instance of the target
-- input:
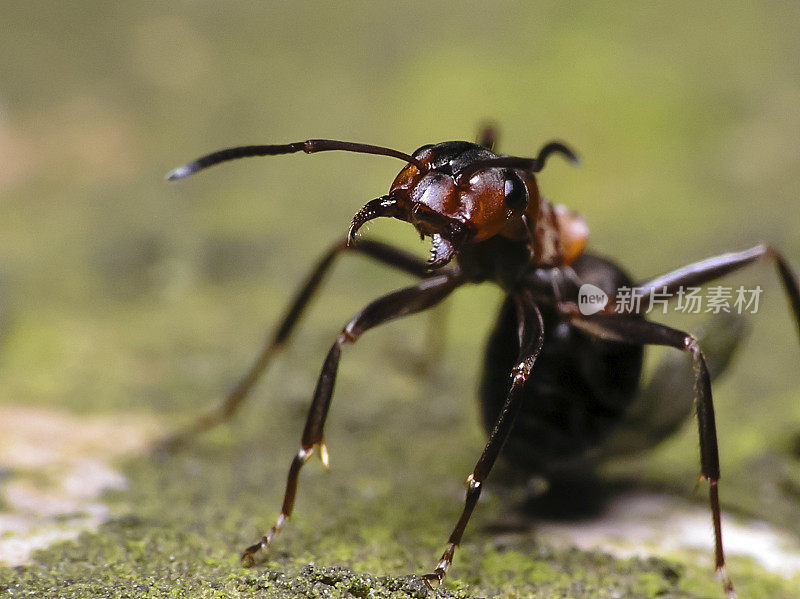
(121, 293)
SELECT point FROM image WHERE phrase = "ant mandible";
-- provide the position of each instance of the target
(488, 222)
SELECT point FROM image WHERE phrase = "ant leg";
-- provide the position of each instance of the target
(709, 269)
(403, 302)
(373, 249)
(637, 330)
(666, 400)
(531, 330)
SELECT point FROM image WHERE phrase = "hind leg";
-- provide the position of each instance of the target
(666, 400)
(635, 330)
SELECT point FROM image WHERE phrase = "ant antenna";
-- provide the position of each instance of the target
(533, 165)
(309, 147)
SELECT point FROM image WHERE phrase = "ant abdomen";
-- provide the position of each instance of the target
(581, 387)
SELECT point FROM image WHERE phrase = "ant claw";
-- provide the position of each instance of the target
(433, 580)
(248, 555)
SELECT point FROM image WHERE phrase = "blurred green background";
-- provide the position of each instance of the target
(121, 292)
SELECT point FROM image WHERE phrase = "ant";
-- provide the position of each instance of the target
(572, 375)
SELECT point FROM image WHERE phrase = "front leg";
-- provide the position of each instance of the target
(406, 301)
(376, 250)
(531, 340)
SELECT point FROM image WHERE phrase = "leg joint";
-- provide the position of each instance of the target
(520, 374)
(473, 485)
(691, 345)
(304, 454)
(349, 335)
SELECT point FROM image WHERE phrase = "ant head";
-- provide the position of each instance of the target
(457, 193)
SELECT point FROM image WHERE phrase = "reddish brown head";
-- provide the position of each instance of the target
(454, 192)
(458, 192)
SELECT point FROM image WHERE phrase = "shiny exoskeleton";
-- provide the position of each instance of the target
(556, 380)
(581, 388)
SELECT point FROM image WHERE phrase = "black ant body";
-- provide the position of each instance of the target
(488, 222)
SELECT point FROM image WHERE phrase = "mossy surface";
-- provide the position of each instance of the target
(123, 295)
(382, 514)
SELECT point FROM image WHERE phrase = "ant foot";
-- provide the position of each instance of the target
(435, 578)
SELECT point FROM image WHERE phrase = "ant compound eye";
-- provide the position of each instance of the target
(516, 194)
